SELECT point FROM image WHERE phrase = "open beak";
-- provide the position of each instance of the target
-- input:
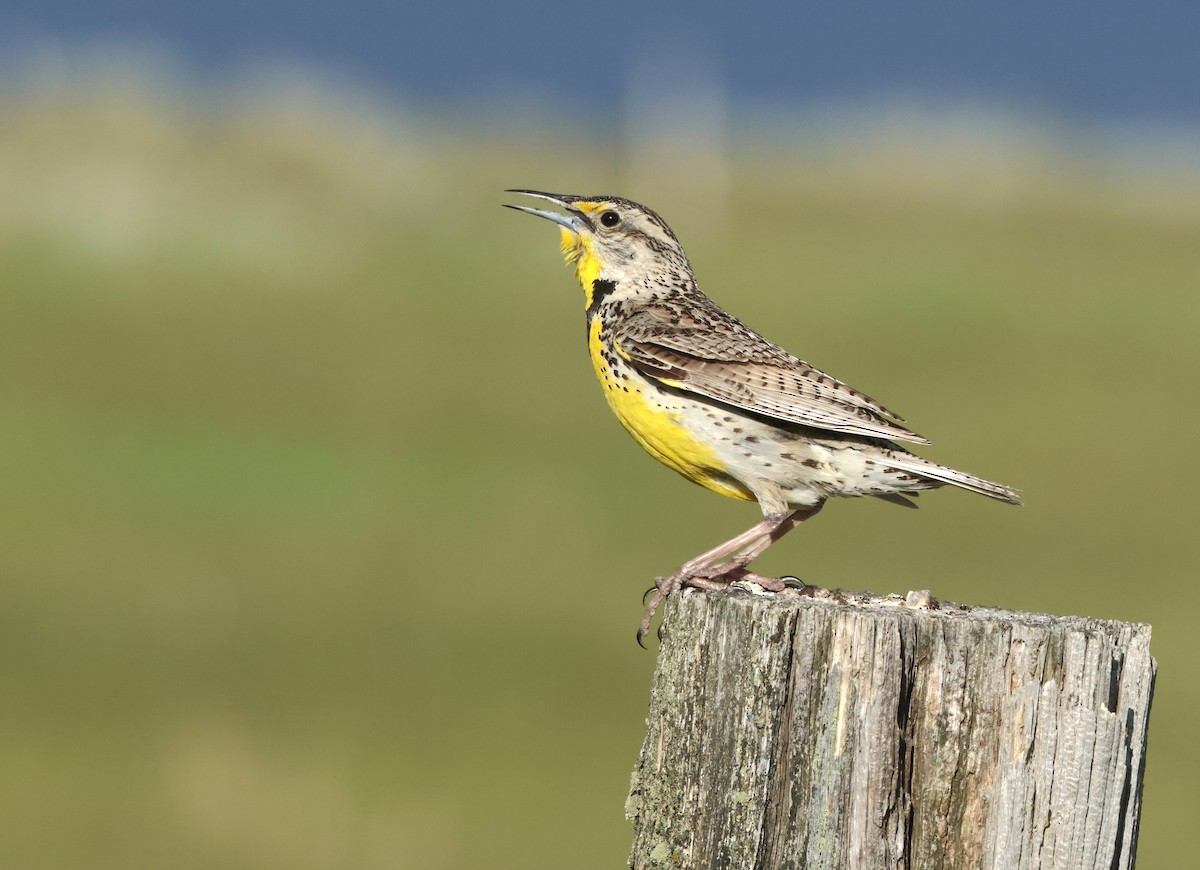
(576, 221)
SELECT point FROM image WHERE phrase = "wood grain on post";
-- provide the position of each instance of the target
(849, 731)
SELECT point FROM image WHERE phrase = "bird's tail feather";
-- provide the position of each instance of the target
(933, 471)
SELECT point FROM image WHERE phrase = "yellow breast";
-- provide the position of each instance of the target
(657, 425)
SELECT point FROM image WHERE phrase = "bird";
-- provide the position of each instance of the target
(714, 400)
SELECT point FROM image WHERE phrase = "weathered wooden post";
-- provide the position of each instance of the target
(849, 731)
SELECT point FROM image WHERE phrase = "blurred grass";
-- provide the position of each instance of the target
(320, 549)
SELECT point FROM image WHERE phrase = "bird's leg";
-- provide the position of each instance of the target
(701, 573)
(739, 563)
(702, 565)
(706, 571)
(692, 572)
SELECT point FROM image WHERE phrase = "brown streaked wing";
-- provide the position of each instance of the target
(775, 385)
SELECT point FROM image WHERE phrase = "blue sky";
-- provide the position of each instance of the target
(1079, 61)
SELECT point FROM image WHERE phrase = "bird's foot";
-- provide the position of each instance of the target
(715, 578)
(665, 586)
(657, 594)
(770, 584)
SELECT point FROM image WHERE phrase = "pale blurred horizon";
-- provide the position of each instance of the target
(678, 138)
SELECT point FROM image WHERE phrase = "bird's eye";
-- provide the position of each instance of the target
(610, 218)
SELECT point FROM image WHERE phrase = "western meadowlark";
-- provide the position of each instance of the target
(712, 399)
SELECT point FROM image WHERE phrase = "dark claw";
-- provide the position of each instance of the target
(793, 582)
(646, 594)
(640, 636)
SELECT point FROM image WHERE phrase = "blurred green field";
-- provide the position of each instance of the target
(321, 550)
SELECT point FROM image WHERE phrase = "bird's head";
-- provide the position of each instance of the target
(613, 240)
